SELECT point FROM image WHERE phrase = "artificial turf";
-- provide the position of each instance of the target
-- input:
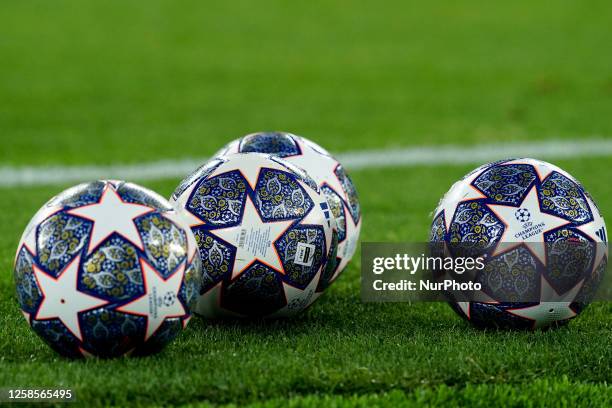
(119, 82)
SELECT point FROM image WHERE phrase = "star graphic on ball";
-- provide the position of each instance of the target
(112, 215)
(62, 299)
(160, 300)
(321, 167)
(517, 233)
(254, 239)
(552, 307)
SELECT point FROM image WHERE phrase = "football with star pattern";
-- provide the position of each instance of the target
(327, 172)
(541, 234)
(106, 269)
(266, 236)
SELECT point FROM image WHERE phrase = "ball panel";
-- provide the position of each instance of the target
(57, 336)
(219, 200)
(79, 195)
(561, 196)
(589, 289)
(110, 333)
(297, 303)
(257, 292)
(135, 194)
(299, 272)
(277, 143)
(511, 276)
(438, 229)
(112, 271)
(351, 193)
(570, 254)
(192, 284)
(60, 238)
(217, 258)
(337, 208)
(280, 197)
(28, 292)
(485, 315)
(165, 243)
(331, 266)
(507, 183)
(475, 222)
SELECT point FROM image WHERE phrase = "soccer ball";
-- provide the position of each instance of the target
(105, 269)
(542, 233)
(265, 233)
(325, 170)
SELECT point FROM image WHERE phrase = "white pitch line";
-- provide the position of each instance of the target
(479, 154)
(400, 157)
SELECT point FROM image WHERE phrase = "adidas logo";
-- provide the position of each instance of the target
(601, 233)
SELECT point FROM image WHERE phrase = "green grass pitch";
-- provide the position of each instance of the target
(127, 81)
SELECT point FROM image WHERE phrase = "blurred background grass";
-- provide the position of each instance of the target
(127, 81)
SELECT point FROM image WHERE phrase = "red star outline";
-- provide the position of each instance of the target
(282, 272)
(534, 321)
(510, 246)
(144, 279)
(75, 259)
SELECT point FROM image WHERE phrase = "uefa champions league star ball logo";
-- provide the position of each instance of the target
(91, 263)
(168, 299)
(522, 215)
(525, 211)
(266, 236)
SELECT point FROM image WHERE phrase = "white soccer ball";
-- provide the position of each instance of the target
(543, 238)
(328, 173)
(106, 269)
(266, 235)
